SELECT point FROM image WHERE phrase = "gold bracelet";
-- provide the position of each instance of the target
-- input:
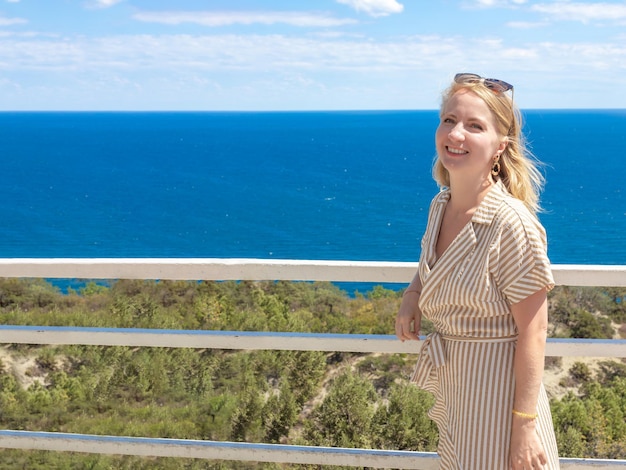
(525, 415)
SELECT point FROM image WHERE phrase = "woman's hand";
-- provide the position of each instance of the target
(526, 450)
(409, 317)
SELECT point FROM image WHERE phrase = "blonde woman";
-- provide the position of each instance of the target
(482, 280)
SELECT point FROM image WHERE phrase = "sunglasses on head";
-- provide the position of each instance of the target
(493, 84)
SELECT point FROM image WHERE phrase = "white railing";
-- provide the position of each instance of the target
(240, 269)
(254, 269)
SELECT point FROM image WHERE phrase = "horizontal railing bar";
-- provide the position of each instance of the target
(238, 340)
(586, 347)
(208, 269)
(252, 340)
(265, 269)
(243, 451)
(240, 451)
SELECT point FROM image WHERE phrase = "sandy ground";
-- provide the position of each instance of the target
(23, 368)
(553, 376)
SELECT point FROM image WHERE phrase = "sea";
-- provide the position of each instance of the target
(338, 185)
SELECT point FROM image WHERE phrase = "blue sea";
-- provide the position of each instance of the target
(280, 185)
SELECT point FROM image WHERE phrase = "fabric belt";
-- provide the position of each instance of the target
(433, 355)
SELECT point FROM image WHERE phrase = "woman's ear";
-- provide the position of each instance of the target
(503, 143)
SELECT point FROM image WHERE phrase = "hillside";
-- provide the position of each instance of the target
(269, 396)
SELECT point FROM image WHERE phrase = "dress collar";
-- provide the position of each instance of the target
(486, 210)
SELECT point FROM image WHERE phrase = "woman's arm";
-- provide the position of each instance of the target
(531, 318)
(409, 318)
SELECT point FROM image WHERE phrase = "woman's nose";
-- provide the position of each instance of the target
(456, 133)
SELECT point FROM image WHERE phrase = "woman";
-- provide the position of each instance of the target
(482, 280)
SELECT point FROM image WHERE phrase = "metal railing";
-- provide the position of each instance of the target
(255, 269)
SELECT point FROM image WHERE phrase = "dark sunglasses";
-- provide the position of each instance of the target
(493, 84)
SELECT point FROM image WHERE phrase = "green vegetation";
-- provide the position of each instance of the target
(295, 397)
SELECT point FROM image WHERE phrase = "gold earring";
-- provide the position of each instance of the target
(495, 169)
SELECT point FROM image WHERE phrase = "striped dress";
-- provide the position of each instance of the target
(498, 259)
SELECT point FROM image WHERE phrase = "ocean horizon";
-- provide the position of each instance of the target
(337, 185)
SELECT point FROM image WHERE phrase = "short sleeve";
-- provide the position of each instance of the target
(523, 267)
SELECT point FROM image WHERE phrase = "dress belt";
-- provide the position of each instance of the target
(433, 355)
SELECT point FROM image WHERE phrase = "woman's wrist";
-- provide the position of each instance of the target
(523, 420)
(523, 425)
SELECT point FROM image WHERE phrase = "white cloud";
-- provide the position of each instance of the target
(222, 53)
(583, 12)
(105, 3)
(527, 24)
(27, 34)
(259, 71)
(374, 7)
(584, 56)
(227, 18)
(497, 3)
(276, 52)
(487, 3)
(337, 34)
(12, 21)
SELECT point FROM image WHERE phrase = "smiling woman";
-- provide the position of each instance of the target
(482, 281)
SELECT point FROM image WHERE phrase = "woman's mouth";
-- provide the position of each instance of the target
(456, 151)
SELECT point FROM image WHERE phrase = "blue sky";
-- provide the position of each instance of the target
(305, 55)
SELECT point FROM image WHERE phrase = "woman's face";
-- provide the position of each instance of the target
(466, 138)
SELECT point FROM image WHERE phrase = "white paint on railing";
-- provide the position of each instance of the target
(213, 450)
(265, 269)
(258, 340)
(243, 451)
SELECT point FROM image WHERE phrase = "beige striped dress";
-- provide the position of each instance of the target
(498, 259)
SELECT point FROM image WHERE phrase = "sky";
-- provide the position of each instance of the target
(276, 55)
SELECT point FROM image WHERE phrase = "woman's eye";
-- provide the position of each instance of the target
(477, 127)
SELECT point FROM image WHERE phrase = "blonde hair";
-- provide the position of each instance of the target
(519, 169)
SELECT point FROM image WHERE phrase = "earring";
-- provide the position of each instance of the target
(495, 169)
